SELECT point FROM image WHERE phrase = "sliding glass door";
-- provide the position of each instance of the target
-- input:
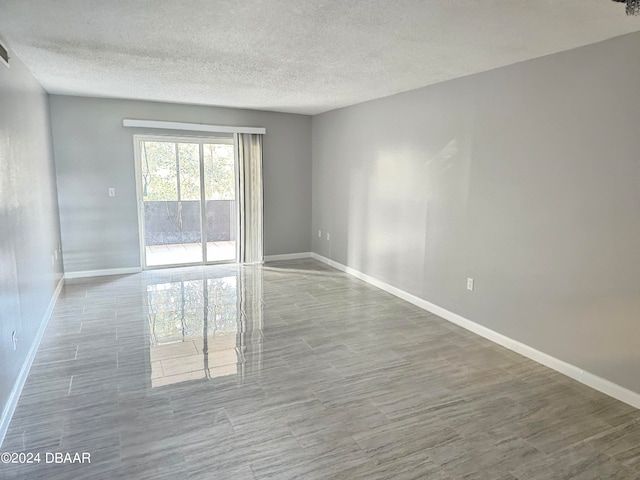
(220, 205)
(186, 200)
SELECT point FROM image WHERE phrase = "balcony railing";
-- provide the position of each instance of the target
(173, 222)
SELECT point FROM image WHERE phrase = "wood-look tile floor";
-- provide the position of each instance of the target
(295, 370)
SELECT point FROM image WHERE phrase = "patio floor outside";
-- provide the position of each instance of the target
(177, 254)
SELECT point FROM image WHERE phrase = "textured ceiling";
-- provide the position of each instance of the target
(302, 56)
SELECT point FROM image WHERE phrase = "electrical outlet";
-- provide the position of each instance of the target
(112, 192)
(470, 284)
(328, 236)
(14, 340)
(319, 233)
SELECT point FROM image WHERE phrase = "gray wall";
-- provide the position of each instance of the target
(29, 230)
(526, 178)
(93, 152)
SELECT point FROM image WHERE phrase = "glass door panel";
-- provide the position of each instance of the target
(171, 199)
(220, 201)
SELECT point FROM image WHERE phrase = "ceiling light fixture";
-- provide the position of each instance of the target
(633, 6)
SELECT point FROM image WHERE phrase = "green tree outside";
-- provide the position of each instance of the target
(160, 171)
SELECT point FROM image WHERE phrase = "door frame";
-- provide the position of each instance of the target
(200, 140)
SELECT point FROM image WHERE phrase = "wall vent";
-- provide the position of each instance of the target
(4, 54)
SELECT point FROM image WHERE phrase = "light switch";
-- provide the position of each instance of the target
(112, 192)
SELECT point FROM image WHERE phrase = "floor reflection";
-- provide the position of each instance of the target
(198, 327)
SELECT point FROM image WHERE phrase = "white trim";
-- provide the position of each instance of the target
(102, 273)
(139, 202)
(193, 127)
(14, 396)
(598, 383)
(287, 256)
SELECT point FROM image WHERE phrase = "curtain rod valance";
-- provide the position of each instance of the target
(194, 127)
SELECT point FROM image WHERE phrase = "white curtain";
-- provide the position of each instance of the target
(249, 155)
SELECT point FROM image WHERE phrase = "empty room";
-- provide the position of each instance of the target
(294, 239)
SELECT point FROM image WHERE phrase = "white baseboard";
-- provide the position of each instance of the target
(14, 396)
(598, 383)
(287, 256)
(102, 273)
